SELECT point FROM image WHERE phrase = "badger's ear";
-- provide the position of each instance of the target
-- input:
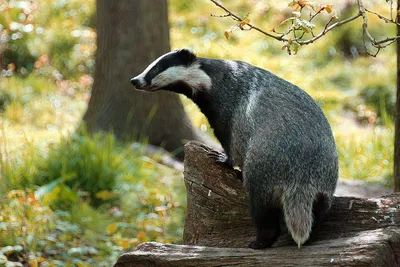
(187, 55)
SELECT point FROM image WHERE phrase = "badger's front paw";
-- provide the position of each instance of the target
(220, 158)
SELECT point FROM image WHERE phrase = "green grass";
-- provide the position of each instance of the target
(85, 201)
(368, 156)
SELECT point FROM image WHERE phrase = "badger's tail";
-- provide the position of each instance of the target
(298, 211)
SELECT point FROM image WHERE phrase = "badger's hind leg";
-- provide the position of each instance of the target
(266, 220)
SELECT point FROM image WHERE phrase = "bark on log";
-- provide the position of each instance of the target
(218, 228)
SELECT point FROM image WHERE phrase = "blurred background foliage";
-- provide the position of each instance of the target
(83, 200)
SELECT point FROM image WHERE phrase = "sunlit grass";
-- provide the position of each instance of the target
(85, 200)
(367, 155)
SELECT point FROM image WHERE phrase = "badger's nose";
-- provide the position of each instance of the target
(135, 82)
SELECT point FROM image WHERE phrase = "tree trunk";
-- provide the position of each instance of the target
(396, 172)
(218, 228)
(130, 35)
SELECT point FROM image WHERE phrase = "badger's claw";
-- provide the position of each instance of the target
(220, 158)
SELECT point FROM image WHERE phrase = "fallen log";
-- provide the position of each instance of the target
(218, 228)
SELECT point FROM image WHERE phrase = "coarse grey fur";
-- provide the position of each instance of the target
(277, 135)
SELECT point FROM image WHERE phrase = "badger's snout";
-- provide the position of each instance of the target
(136, 83)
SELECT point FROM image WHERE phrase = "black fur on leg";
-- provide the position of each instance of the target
(266, 220)
(320, 207)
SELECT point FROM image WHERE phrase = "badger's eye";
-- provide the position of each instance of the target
(154, 71)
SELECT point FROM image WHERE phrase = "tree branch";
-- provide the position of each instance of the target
(297, 40)
(328, 29)
(237, 18)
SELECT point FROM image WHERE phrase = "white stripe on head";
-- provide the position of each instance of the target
(192, 75)
(143, 74)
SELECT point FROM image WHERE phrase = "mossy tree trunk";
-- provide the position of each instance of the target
(131, 34)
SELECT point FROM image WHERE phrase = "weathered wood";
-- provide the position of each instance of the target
(218, 228)
(370, 248)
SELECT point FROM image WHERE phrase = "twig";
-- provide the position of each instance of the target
(382, 17)
(377, 44)
(220, 16)
(362, 12)
(328, 29)
(237, 18)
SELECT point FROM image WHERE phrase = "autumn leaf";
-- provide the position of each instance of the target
(16, 193)
(244, 23)
(308, 4)
(33, 263)
(297, 5)
(294, 5)
(328, 8)
(112, 228)
(227, 34)
(295, 47)
(233, 28)
(125, 244)
(141, 235)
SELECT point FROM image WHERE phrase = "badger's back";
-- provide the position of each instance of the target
(286, 149)
(279, 122)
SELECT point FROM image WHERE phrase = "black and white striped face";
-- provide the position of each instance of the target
(175, 67)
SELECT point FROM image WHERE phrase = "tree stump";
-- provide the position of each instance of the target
(218, 228)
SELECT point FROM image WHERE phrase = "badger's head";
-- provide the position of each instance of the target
(180, 68)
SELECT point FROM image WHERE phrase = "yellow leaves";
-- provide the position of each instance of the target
(244, 23)
(112, 228)
(297, 5)
(228, 32)
(105, 195)
(33, 263)
(291, 45)
(16, 193)
(328, 8)
(126, 243)
(239, 26)
(23, 198)
(141, 235)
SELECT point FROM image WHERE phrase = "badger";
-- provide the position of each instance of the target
(271, 129)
